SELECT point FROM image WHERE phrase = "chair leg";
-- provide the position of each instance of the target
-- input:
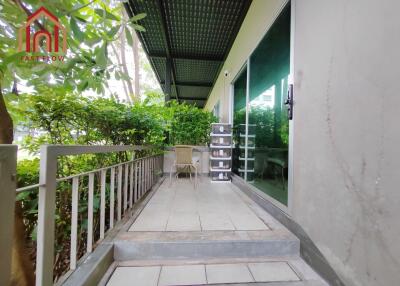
(195, 177)
(170, 175)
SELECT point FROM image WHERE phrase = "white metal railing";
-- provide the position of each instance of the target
(130, 179)
(8, 161)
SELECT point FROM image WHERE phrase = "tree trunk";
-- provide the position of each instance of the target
(128, 98)
(136, 65)
(124, 66)
(21, 266)
(6, 124)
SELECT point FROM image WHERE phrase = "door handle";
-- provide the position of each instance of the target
(289, 102)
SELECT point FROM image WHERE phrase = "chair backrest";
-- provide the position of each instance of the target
(183, 154)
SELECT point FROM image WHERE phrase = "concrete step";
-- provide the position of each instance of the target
(289, 271)
(204, 245)
(285, 283)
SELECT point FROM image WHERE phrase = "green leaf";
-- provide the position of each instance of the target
(113, 31)
(124, 76)
(34, 233)
(105, 14)
(128, 36)
(79, 35)
(138, 17)
(96, 203)
(81, 19)
(101, 57)
(13, 58)
(39, 67)
(83, 85)
(22, 196)
(139, 28)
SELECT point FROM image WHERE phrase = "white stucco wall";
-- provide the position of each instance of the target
(346, 192)
(347, 137)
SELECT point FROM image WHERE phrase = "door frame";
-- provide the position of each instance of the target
(289, 208)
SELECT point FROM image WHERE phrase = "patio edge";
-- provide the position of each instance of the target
(308, 250)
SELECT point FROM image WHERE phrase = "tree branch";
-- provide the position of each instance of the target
(119, 67)
(79, 8)
(29, 13)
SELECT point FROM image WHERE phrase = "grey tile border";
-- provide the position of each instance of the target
(182, 275)
(217, 273)
(148, 275)
(308, 250)
(273, 271)
(93, 268)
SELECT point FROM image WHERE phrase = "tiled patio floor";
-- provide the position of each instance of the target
(213, 234)
(180, 207)
(202, 274)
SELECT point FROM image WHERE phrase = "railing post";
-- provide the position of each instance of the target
(143, 178)
(151, 172)
(119, 195)
(126, 181)
(8, 163)
(135, 196)
(74, 222)
(146, 174)
(131, 184)
(89, 244)
(112, 200)
(140, 179)
(103, 174)
(46, 209)
(154, 170)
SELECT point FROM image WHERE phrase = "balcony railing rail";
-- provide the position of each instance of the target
(128, 181)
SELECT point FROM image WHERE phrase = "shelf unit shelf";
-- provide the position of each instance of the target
(249, 160)
(221, 153)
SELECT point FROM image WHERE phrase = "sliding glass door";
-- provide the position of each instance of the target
(260, 116)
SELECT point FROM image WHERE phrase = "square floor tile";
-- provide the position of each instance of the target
(183, 275)
(215, 221)
(156, 221)
(272, 272)
(131, 276)
(248, 222)
(228, 273)
(183, 221)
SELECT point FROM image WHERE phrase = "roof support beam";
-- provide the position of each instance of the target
(188, 57)
(168, 80)
(167, 42)
(190, 83)
(193, 98)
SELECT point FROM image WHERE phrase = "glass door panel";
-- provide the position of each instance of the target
(239, 124)
(268, 126)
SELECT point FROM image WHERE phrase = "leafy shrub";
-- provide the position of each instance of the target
(60, 117)
(190, 125)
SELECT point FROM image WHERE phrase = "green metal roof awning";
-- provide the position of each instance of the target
(189, 38)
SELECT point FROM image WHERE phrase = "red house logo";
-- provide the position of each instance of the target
(32, 42)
